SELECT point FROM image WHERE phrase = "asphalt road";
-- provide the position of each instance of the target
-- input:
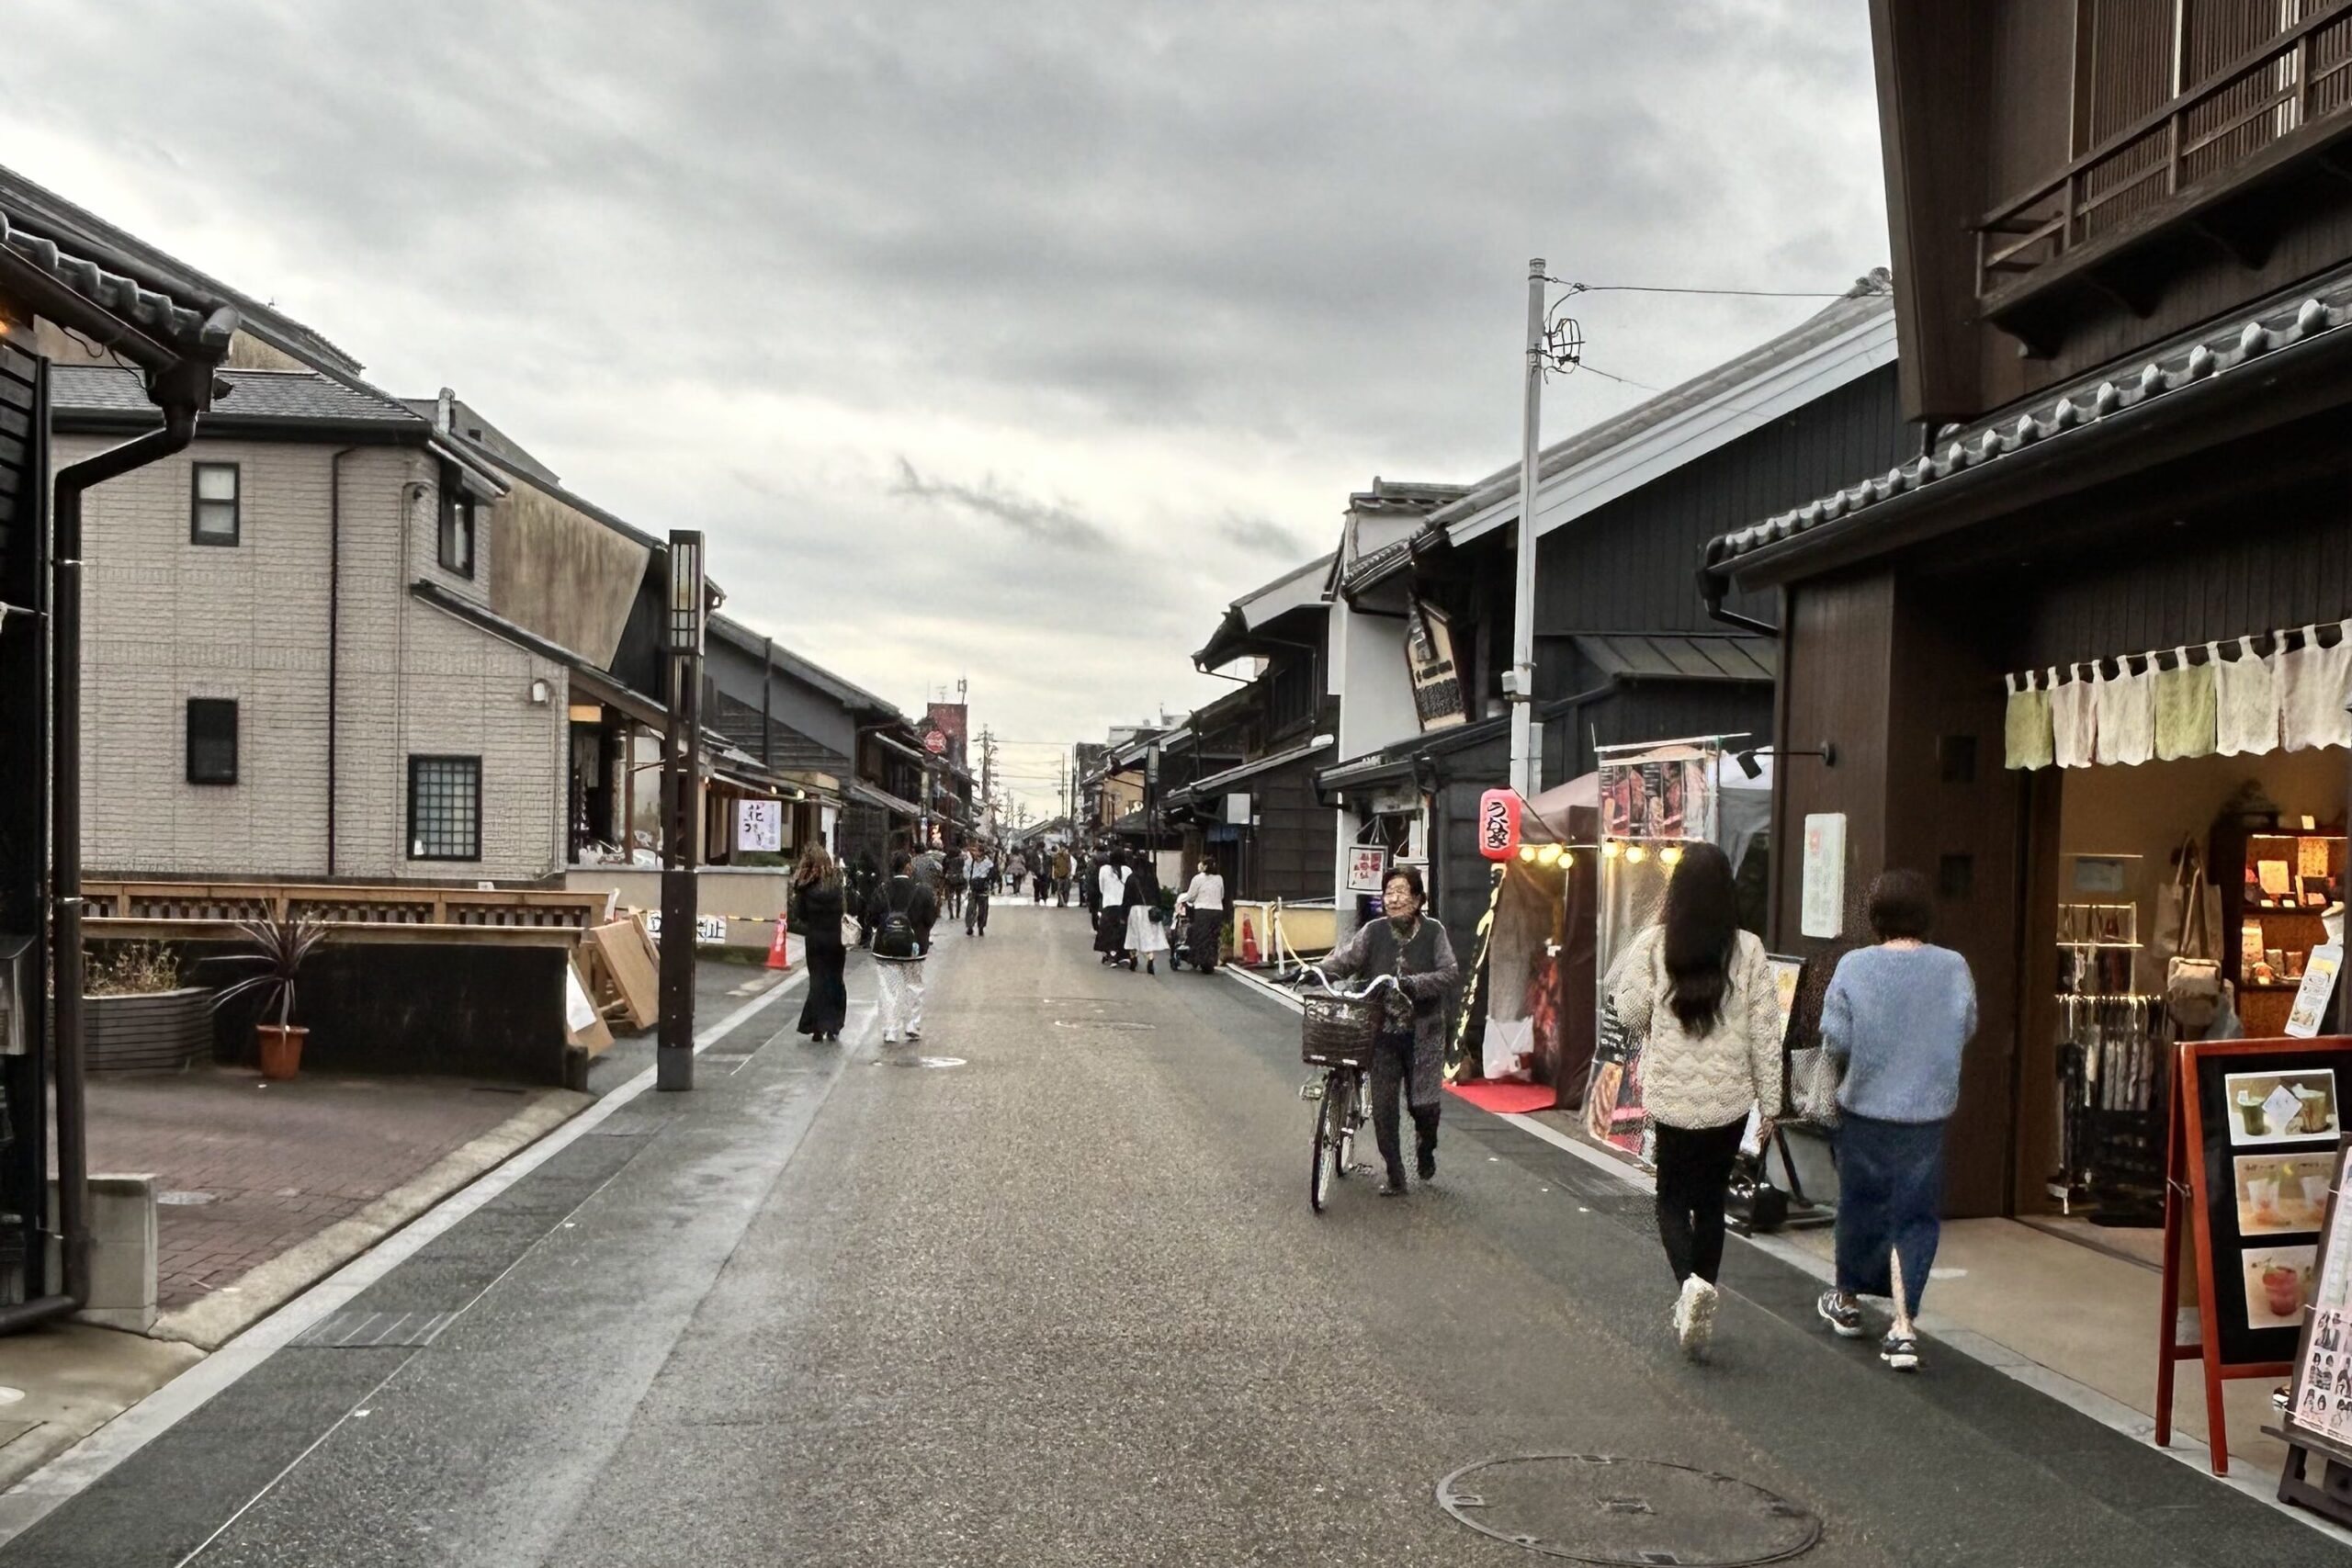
(1057, 1299)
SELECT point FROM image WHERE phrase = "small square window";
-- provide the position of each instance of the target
(215, 493)
(445, 808)
(212, 740)
(458, 534)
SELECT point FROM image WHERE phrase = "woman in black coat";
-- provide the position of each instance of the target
(816, 910)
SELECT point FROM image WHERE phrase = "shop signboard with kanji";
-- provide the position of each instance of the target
(1367, 867)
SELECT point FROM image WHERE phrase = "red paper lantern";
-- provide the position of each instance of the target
(1499, 824)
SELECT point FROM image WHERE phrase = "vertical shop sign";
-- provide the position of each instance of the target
(1824, 875)
(759, 825)
(1437, 680)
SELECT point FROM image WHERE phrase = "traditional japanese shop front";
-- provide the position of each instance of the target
(2071, 658)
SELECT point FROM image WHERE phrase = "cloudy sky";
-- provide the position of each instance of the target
(1005, 341)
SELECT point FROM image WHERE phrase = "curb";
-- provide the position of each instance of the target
(211, 1323)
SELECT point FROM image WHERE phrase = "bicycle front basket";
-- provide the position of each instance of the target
(1339, 1030)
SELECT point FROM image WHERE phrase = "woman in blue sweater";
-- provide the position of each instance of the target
(1898, 1016)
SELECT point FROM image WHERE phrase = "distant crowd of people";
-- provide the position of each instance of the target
(1694, 989)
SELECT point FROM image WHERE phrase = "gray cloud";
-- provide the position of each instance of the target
(1047, 522)
(722, 262)
(1263, 535)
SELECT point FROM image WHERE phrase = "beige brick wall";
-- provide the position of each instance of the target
(166, 620)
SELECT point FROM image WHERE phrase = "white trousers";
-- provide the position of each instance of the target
(901, 998)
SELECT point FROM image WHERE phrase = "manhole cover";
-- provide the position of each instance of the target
(187, 1199)
(917, 1062)
(1634, 1512)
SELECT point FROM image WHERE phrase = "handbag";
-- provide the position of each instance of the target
(2192, 975)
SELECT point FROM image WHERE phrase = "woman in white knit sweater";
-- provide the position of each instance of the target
(1697, 991)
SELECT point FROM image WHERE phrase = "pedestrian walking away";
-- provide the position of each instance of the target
(1203, 907)
(897, 931)
(1147, 921)
(955, 878)
(979, 878)
(816, 907)
(1696, 989)
(1898, 1017)
(1111, 907)
(1063, 867)
(1410, 1050)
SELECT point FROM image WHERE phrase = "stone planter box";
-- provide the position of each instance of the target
(163, 1032)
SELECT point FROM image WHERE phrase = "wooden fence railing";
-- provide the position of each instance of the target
(165, 910)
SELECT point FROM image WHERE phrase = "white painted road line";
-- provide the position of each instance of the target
(46, 1489)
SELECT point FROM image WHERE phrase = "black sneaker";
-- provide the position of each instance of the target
(1900, 1351)
(1392, 1184)
(1842, 1313)
(1427, 1164)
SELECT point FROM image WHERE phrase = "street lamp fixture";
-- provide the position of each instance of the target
(688, 602)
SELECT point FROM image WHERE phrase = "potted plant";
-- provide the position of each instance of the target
(137, 1014)
(279, 948)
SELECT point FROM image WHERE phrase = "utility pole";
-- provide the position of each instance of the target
(1519, 684)
(673, 1056)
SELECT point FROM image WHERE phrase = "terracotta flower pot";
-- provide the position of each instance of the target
(281, 1049)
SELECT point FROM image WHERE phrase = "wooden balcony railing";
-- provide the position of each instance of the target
(2260, 109)
(173, 911)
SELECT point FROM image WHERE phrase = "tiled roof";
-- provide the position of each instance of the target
(2083, 405)
(83, 231)
(204, 333)
(299, 396)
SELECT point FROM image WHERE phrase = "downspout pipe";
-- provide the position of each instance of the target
(66, 849)
(334, 634)
(1711, 589)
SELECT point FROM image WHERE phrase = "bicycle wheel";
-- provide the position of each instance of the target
(1319, 1175)
(1346, 1118)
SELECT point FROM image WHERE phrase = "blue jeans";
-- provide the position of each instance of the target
(1890, 1200)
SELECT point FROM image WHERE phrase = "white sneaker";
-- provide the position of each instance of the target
(889, 1040)
(1695, 1317)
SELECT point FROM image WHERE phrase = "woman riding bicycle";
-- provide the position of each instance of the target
(1411, 1048)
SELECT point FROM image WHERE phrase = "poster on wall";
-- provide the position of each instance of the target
(1437, 679)
(2321, 1400)
(759, 825)
(1656, 799)
(1824, 913)
(1367, 864)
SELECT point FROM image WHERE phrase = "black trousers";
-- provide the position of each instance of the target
(1694, 1171)
(1392, 1067)
(975, 907)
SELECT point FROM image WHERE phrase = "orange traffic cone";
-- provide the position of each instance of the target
(779, 956)
(1248, 940)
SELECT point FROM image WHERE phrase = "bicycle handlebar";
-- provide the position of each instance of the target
(1371, 987)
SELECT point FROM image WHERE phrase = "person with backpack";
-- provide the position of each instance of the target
(1697, 990)
(898, 928)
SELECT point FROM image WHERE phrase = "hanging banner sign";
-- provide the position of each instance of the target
(759, 825)
(1437, 680)
(1367, 867)
(1499, 824)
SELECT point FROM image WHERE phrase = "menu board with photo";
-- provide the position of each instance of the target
(2320, 1402)
(2271, 1123)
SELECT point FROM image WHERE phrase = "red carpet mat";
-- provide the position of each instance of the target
(1505, 1098)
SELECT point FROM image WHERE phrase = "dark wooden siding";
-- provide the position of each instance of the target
(1633, 565)
(2211, 578)
(24, 836)
(1292, 852)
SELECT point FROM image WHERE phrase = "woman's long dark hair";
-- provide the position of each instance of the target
(1702, 922)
